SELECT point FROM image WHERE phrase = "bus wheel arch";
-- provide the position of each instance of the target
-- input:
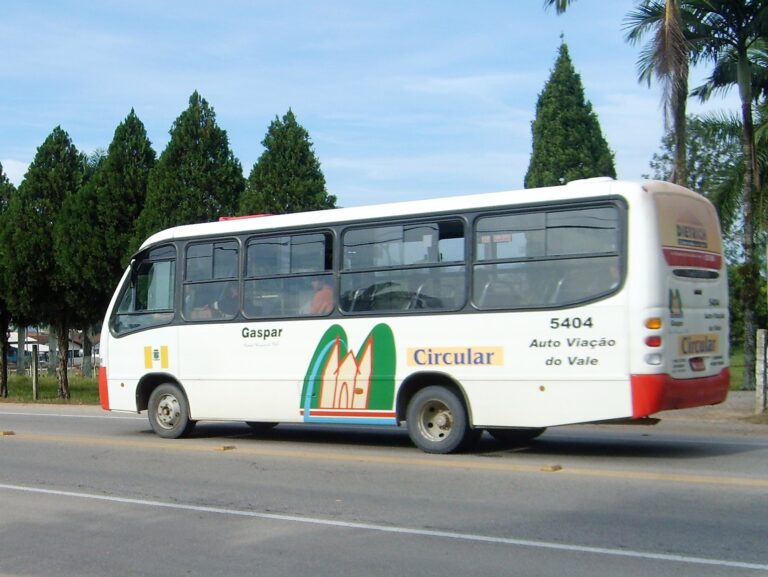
(437, 413)
(167, 406)
(149, 383)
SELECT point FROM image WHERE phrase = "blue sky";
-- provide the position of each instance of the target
(403, 99)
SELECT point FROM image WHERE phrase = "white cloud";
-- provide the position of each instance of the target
(15, 170)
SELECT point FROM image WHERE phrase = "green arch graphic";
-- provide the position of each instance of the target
(375, 361)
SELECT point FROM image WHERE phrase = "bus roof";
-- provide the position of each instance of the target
(586, 188)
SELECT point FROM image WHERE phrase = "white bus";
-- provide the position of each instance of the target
(508, 312)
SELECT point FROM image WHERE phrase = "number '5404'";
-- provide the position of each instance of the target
(570, 322)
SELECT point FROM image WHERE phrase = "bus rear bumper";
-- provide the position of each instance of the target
(654, 393)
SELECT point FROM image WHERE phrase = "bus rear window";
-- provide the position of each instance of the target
(696, 273)
(689, 235)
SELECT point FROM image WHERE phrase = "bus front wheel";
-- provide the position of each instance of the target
(437, 421)
(168, 412)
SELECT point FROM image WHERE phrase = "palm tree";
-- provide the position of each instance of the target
(560, 5)
(728, 127)
(666, 57)
(728, 33)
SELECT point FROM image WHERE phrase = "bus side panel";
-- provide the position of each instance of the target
(261, 370)
(133, 356)
(516, 369)
(530, 369)
(245, 371)
(561, 402)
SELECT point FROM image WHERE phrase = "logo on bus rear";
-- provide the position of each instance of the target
(699, 344)
(675, 304)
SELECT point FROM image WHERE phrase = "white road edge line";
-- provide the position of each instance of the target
(397, 530)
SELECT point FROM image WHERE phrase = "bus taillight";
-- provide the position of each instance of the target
(653, 341)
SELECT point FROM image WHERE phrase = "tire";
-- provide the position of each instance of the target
(437, 421)
(517, 436)
(260, 426)
(168, 412)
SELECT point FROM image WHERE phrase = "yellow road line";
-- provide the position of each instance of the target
(428, 461)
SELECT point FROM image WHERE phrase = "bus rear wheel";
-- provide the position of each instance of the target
(168, 411)
(437, 421)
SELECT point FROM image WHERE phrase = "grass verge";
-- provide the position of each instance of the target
(82, 391)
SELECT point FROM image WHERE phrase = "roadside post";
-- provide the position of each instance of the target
(34, 372)
(761, 401)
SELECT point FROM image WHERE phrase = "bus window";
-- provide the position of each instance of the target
(409, 267)
(285, 274)
(513, 236)
(147, 296)
(587, 231)
(211, 281)
(546, 259)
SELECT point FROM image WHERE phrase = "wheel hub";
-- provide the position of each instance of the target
(436, 421)
(168, 411)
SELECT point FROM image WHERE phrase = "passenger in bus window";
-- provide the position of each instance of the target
(201, 313)
(322, 299)
(199, 302)
(228, 304)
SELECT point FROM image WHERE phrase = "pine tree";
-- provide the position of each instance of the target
(35, 287)
(96, 225)
(567, 141)
(6, 192)
(197, 178)
(121, 189)
(287, 176)
(6, 189)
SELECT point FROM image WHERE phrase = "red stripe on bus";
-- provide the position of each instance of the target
(348, 413)
(103, 389)
(654, 393)
(693, 258)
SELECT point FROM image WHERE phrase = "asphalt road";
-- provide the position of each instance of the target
(86, 493)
